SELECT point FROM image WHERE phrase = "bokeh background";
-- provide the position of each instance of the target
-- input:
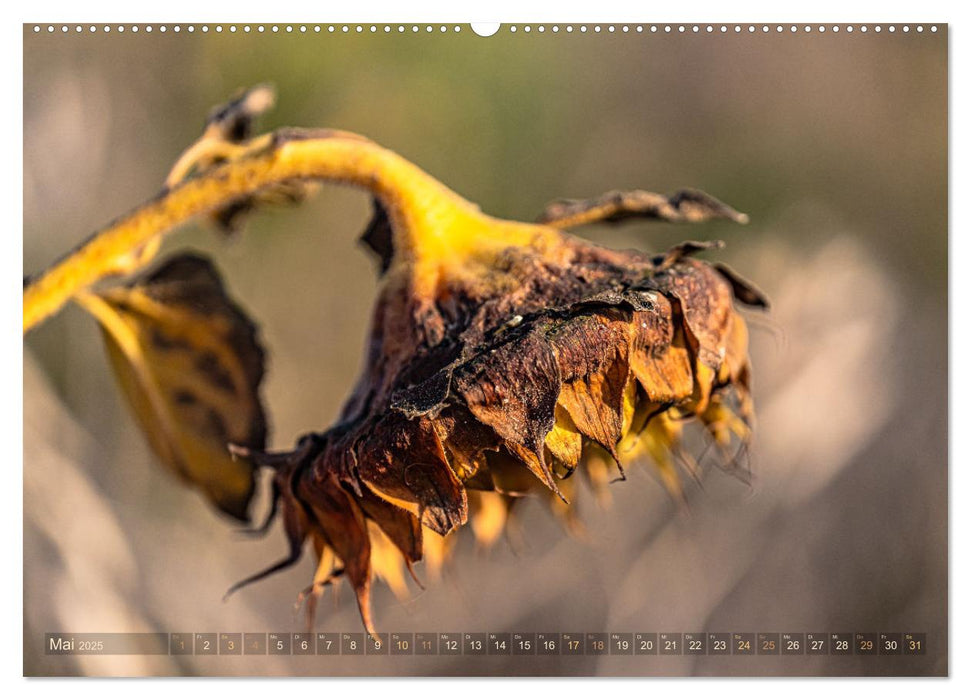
(834, 144)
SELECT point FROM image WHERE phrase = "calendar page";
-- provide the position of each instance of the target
(540, 349)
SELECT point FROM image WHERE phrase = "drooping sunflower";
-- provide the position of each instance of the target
(503, 357)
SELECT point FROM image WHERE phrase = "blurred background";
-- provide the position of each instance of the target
(834, 144)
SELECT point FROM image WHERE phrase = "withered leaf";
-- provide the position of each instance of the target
(190, 364)
(685, 206)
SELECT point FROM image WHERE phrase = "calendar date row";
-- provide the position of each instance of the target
(493, 643)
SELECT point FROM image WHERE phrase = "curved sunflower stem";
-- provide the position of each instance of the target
(420, 207)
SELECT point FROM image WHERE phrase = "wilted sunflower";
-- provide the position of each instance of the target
(503, 356)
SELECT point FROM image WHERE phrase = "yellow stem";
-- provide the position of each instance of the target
(419, 206)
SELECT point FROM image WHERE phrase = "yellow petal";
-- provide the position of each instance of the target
(563, 440)
(387, 562)
(489, 513)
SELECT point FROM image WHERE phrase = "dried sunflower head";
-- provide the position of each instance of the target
(501, 355)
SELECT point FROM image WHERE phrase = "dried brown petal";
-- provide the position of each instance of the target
(593, 354)
(335, 515)
(744, 290)
(403, 461)
(660, 357)
(513, 389)
(706, 304)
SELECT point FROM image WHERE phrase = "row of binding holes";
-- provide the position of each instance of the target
(256, 28)
(414, 28)
(717, 28)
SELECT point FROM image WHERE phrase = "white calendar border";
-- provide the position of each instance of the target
(830, 11)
